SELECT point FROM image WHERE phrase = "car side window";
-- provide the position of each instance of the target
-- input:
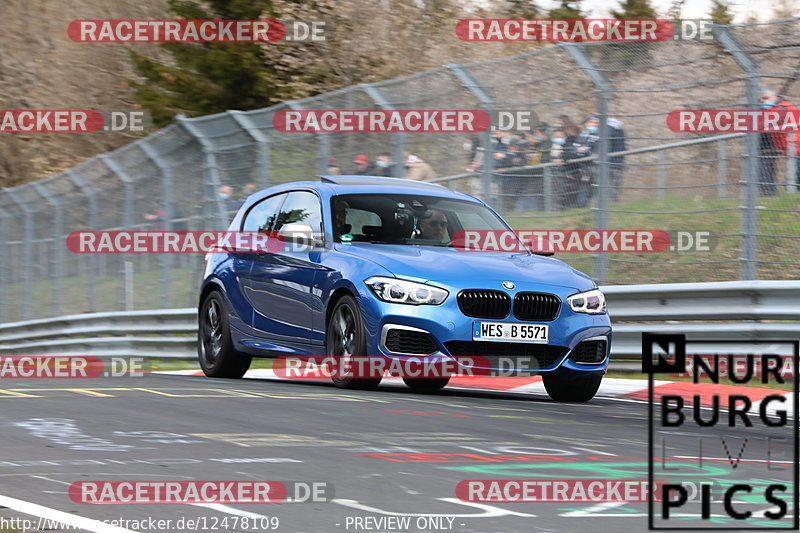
(263, 214)
(358, 218)
(303, 207)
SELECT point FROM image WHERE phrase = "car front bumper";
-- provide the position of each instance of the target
(446, 323)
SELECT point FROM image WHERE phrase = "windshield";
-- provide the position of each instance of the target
(407, 219)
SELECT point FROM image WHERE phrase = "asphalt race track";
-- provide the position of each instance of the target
(386, 453)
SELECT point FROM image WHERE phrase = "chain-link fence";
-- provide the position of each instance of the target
(639, 174)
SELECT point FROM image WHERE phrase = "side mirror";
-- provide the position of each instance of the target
(298, 232)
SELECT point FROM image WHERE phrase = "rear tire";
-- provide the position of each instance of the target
(571, 389)
(345, 338)
(218, 358)
(426, 384)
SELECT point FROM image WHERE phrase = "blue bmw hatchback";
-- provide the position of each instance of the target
(382, 279)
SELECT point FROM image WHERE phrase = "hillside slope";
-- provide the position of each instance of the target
(40, 68)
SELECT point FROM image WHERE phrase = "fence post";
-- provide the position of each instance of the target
(749, 259)
(603, 90)
(244, 122)
(169, 214)
(59, 245)
(662, 175)
(127, 221)
(91, 196)
(487, 104)
(211, 169)
(27, 255)
(547, 188)
(791, 166)
(398, 138)
(5, 270)
(722, 155)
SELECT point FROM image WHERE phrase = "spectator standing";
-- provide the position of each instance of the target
(616, 164)
(584, 146)
(155, 215)
(417, 169)
(333, 168)
(501, 140)
(230, 204)
(247, 190)
(531, 197)
(363, 166)
(767, 154)
(470, 146)
(774, 145)
(514, 180)
(384, 165)
(563, 122)
(565, 184)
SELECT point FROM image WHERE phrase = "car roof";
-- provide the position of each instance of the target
(348, 184)
(380, 181)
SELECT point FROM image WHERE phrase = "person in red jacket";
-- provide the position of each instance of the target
(776, 145)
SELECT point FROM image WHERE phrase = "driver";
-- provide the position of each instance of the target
(432, 225)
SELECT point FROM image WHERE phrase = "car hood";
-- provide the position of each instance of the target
(454, 267)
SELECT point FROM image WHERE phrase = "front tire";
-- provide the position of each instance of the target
(218, 358)
(562, 388)
(345, 339)
(426, 384)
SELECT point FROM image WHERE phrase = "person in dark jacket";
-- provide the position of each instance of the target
(514, 180)
(563, 174)
(384, 166)
(584, 146)
(363, 166)
(531, 198)
(616, 164)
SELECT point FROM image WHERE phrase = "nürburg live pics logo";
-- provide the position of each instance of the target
(723, 440)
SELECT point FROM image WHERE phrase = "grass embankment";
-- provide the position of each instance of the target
(778, 241)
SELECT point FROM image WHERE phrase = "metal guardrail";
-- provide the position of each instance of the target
(168, 333)
(733, 310)
(722, 310)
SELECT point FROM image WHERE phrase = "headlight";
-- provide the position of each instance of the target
(400, 291)
(592, 302)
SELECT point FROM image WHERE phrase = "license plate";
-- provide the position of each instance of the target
(514, 332)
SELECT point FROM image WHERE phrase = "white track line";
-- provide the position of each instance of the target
(610, 389)
(229, 510)
(54, 515)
